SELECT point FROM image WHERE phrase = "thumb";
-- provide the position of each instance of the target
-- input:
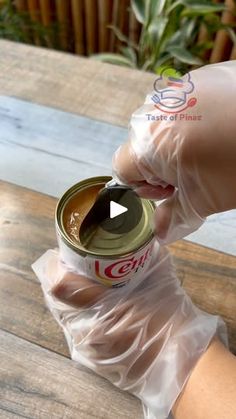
(78, 291)
(174, 219)
(124, 166)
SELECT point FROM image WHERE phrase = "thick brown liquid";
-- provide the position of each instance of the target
(77, 208)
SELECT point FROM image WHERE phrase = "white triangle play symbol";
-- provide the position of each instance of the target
(116, 209)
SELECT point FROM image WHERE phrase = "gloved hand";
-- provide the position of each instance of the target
(190, 162)
(145, 337)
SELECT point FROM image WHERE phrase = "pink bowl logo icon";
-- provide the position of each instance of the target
(172, 92)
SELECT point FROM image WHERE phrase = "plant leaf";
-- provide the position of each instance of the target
(130, 54)
(138, 7)
(156, 8)
(160, 7)
(202, 47)
(176, 39)
(117, 59)
(119, 34)
(189, 29)
(232, 34)
(200, 3)
(183, 55)
(122, 37)
(157, 28)
(173, 6)
(148, 65)
(161, 60)
(200, 9)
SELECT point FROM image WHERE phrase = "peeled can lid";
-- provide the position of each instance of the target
(116, 235)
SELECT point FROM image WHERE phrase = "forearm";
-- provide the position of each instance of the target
(210, 392)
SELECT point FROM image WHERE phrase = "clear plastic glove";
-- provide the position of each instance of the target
(190, 162)
(145, 337)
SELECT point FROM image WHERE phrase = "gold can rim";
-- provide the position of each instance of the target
(76, 247)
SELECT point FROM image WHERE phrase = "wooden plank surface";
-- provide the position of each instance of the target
(50, 144)
(36, 383)
(97, 90)
(66, 148)
(27, 230)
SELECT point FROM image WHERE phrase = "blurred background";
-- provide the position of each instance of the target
(145, 34)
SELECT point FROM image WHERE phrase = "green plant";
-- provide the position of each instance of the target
(18, 26)
(169, 34)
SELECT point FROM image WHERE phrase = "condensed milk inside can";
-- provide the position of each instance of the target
(114, 256)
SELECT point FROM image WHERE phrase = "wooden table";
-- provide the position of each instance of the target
(38, 380)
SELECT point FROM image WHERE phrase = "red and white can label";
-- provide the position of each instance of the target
(110, 272)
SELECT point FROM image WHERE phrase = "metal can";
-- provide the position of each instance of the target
(115, 259)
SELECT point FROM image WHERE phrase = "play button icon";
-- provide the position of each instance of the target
(116, 209)
(121, 211)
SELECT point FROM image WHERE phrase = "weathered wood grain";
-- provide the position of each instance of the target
(51, 144)
(98, 90)
(36, 383)
(210, 280)
(66, 148)
(27, 230)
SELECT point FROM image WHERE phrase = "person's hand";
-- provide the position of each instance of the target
(145, 337)
(192, 163)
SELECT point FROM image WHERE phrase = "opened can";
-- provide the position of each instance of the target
(112, 259)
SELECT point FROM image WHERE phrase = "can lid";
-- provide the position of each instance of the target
(121, 236)
(116, 210)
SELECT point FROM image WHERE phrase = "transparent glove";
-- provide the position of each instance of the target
(145, 337)
(189, 163)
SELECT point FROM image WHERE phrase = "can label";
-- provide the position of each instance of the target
(119, 272)
(110, 272)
